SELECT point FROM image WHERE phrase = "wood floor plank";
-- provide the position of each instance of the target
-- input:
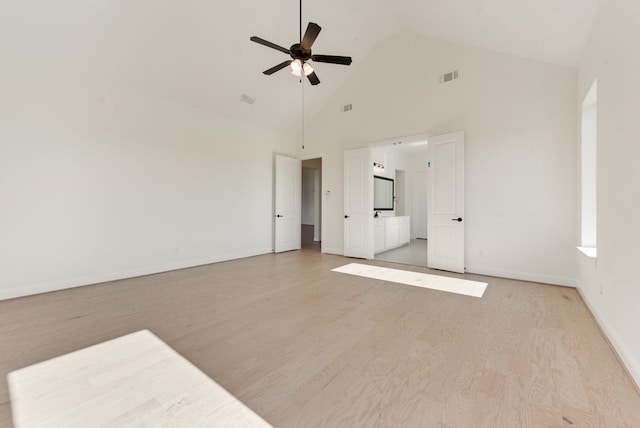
(304, 346)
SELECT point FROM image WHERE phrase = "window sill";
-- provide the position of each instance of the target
(590, 252)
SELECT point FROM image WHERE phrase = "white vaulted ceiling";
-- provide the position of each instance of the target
(198, 53)
(553, 31)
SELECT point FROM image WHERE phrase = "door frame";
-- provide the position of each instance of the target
(322, 203)
(405, 140)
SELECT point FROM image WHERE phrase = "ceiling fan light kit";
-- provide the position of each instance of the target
(300, 54)
(298, 68)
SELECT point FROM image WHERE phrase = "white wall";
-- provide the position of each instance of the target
(100, 181)
(392, 160)
(610, 284)
(395, 159)
(418, 172)
(401, 193)
(308, 184)
(519, 118)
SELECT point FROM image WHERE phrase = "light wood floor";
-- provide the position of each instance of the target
(413, 254)
(304, 346)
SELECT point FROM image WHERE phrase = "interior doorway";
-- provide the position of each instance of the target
(372, 224)
(311, 209)
(409, 200)
(405, 162)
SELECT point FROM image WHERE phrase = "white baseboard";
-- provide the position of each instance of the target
(524, 276)
(333, 251)
(625, 357)
(47, 287)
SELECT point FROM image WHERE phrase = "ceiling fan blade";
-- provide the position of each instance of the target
(332, 59)
(269, 44)
(313, 78)
(310, 35)
(277, 67)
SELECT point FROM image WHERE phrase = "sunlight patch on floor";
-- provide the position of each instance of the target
(417, 279)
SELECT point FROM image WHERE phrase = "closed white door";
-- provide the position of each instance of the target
(445, 202)
(358, 204)
(288, 220)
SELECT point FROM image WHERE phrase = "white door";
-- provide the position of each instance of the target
(288, 204)
(445, 202)
(358, 204)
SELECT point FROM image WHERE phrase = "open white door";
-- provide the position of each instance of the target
(445, 202)
(288, 204)
(358, 204)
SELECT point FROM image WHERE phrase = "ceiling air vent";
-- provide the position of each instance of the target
(347, 107)
(247, 99)
(448, 77)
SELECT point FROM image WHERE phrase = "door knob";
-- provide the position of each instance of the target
(457, 219)
(278, 215)
(346, 216)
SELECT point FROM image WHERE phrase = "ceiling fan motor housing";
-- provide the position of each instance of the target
(297, 52)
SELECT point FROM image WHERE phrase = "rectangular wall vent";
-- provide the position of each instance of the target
(348, 107)
(448, 77)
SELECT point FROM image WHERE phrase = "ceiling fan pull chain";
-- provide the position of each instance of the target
(302, 119)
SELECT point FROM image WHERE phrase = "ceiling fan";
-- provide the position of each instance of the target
(301, 53)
